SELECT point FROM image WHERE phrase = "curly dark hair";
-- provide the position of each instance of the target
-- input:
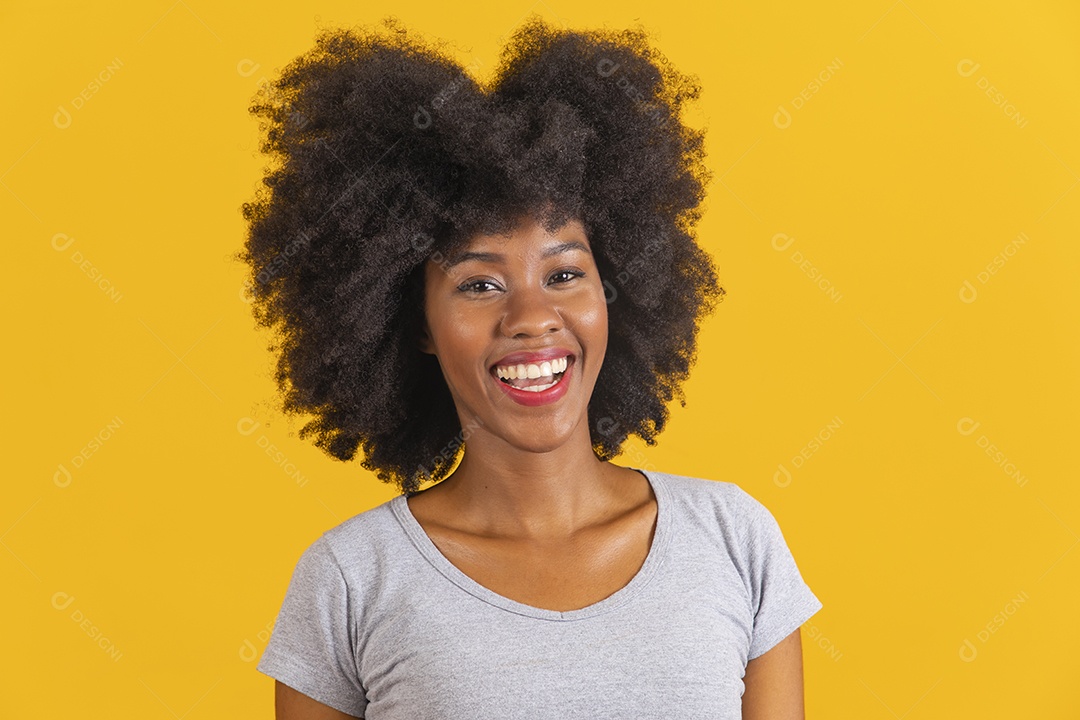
(387, 153)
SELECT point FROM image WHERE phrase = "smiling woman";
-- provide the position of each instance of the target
(490, 290)
(539, 294)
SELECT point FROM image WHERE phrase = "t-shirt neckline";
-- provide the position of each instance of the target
(441, 563)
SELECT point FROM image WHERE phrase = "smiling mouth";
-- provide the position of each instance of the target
(546, 379)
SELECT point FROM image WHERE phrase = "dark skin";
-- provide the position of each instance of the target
(530, 512)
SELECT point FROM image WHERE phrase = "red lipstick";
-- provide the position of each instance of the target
(543, 397)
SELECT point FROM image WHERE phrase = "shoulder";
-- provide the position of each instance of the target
(720, 498)
(721, 514)
(365, 523)
(360, 545)
(724, 516)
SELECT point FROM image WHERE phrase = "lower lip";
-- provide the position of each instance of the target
(532, 399)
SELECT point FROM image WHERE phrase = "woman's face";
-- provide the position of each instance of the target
(503, 311)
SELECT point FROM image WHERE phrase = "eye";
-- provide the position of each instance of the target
(473, 286)
(572, 273)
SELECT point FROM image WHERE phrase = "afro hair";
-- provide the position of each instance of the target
(386, 153)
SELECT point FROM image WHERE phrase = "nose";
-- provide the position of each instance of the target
(530, 311)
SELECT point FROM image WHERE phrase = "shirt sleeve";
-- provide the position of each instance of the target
(781, 601)
(312, 646)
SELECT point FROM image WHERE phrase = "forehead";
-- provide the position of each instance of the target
(528, 238)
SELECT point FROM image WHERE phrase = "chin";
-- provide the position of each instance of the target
(538, 440)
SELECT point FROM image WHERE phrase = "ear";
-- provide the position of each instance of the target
(423, 341)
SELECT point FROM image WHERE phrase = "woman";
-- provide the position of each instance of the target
(506, 274)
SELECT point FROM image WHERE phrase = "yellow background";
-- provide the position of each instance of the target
(866, 414)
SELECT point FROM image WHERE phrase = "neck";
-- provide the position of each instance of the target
(506, 491)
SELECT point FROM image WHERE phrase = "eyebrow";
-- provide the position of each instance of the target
(498, 258)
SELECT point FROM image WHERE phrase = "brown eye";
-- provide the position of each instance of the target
(472, 286)
(572, 273)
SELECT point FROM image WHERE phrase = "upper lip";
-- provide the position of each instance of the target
(534, 357)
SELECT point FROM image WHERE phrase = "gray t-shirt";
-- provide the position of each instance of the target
(379, 624)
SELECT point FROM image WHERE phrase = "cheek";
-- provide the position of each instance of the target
(592, 317)
(462, 336)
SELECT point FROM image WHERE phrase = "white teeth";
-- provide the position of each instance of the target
(538, 388)
(532, 371)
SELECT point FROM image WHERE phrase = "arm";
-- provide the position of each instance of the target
(290, 704)
(774, 682)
